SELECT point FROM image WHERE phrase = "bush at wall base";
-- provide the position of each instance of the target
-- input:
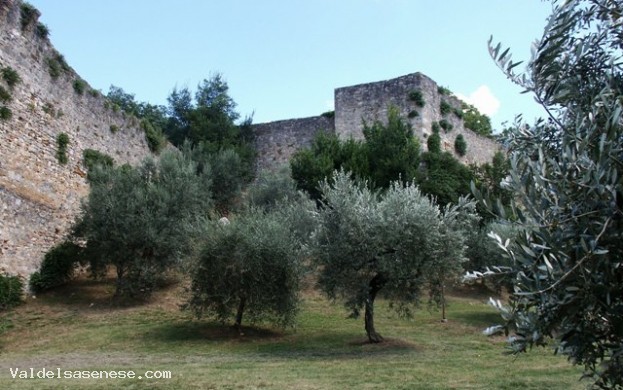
(57, 267)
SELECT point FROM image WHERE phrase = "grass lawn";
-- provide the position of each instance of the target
(77, 328)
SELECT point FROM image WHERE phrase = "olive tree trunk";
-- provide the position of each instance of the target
(376, 284)
(238, 324)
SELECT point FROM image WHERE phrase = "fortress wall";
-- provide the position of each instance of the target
(276, 142)
(372, 101)
(39, 197)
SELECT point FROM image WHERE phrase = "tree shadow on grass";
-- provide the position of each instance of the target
(279, 343)
(479, 319)
(197, 331)
(96, 294)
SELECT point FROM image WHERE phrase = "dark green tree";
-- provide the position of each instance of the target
(566, 173)
(208, 121)
(312, 165)
(367, 245)
(444, 177)
(142, 220)
(388, 153)
(393, 152)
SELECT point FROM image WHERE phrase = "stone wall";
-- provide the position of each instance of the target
(370, 102)
(275, 142)
(39, 197)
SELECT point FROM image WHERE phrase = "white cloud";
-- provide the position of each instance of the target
(483, 99)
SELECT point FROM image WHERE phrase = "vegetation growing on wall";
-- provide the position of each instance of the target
(42, 30)
(416, 97)
(443, 91)
(5, 96)
(79, 86)
(92, 158)
(444, 107)
(62, 140)
(154, 136)
(447, 126)
(329, 114)
(10, 76)
(57, 65)
(5, 113)
(460, 145)
(28, 14)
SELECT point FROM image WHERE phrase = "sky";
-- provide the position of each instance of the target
(283, 58)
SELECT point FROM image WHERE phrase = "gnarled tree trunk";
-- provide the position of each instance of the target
(376, 284)
(238, 324)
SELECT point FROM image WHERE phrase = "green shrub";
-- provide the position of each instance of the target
(114, 128)
(57, 267)
(42, 30)
(436, 128)
(28, 14)
(445, 107)
(53, 68)
(434, 143)
(458, 112)
(329, 114)
(57, 65)
(154, 136)
(416, 97)
(79, 86)
(413, 114)
(5, 96)
(62, 140)
(92, 157)
(5, 113)
(447, 126)
(10, 76)
(460, 145)
(94, 92)
(11, 289)
(444, 91)
(48, 108)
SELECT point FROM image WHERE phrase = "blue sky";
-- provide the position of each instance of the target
(283, 59)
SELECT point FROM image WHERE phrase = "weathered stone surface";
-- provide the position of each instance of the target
(369, 102)
(277, 141)
(39, 198)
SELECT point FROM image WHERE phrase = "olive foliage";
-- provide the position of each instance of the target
(252, 266)
(566, 177)
(393, 245)
(141, 220)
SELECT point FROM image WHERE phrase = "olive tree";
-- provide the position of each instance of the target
(394, 244)
(252, 266)
(141, 220)
(566, 175)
